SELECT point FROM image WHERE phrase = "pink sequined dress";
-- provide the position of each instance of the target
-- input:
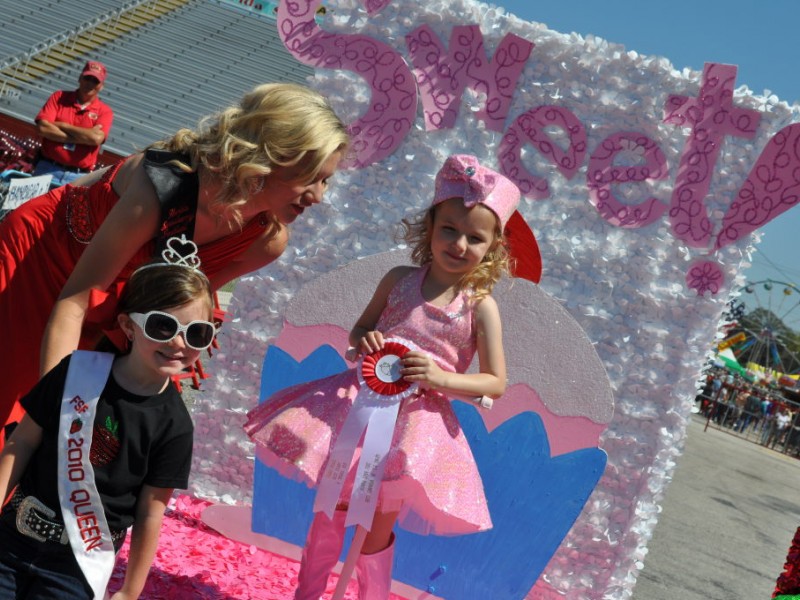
(430, 476)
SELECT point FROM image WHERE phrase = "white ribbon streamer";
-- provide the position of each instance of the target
(81, 506)
(377, 414)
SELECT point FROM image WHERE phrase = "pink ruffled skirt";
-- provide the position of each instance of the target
(430, 477)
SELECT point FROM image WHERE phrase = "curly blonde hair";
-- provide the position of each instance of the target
(274, 125)
(417, 232)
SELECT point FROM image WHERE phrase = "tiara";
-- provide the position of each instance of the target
(178, 251)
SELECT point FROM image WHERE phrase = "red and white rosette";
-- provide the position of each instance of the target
(380, 371)
(375, 408)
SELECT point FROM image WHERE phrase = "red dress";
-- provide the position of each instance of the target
(40, 243)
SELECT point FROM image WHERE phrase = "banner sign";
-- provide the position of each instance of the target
(23, 189)
(736, 339)
(262, 8)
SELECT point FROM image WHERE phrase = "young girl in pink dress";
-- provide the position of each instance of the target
(443, 311)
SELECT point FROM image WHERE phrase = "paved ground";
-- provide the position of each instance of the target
(728, 518)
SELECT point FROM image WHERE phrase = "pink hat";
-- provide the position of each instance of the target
(462, 176)
(95, 69)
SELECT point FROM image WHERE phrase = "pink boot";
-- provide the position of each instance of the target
(374, 573)
(320, 554)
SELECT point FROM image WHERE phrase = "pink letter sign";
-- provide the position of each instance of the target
(530, 127)
(393, 105)
(772, 187)
(711, 117)
(603, 173)
(442, 76)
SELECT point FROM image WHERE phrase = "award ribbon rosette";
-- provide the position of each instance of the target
(81, 506)
(375, 409)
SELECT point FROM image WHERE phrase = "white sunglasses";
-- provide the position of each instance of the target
(163, 327)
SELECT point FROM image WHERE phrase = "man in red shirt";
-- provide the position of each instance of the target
(73, 125)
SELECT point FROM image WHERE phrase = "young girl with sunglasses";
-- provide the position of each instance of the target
(441, 314)
(105, 440)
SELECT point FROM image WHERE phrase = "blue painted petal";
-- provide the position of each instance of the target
(292, 500)
(280, 370)
(533, 500)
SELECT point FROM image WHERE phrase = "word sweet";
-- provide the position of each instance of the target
(441, 73)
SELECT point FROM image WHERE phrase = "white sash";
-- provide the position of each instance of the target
(81, 507)
(377, 413)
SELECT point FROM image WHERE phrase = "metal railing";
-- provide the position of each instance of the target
(722, 412)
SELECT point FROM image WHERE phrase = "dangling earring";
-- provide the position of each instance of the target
(256, 185)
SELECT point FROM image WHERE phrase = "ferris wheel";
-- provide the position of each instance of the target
(766, 325)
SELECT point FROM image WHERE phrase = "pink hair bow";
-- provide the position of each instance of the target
(462, 176)
(479, 181)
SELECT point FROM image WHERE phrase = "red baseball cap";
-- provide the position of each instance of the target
(95, 69)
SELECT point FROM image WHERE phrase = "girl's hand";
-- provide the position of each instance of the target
(418, 366)
(371, 341)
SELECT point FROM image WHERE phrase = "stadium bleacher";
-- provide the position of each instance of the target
(169, 61)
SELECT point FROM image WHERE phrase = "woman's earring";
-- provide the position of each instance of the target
(256, 185)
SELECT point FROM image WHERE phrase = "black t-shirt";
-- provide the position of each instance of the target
(137, 440)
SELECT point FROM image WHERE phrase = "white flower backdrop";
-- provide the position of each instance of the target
(625, 286)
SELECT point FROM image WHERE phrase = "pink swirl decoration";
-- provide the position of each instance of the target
(442, 75)
(529, 127)
(603, 173)
(393, 104)
(771, 188)
(711, 116)
(375, 6)
(705, 276)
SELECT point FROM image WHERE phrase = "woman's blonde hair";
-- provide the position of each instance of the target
(481, 280)
(274, 125)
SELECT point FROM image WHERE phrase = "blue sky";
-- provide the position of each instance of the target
(761, 38)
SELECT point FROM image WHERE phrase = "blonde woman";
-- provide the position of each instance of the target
(232, 186)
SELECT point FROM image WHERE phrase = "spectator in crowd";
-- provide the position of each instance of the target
(751, 412)
(791, 441)
(73, 125)
(729, 412)
(716, 390)
(716, 385)
(768, 419)
(782, 420)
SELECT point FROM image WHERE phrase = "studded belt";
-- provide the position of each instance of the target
(39, 522)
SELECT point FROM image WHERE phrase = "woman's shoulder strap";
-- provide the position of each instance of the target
(167, 178)
(177, 191)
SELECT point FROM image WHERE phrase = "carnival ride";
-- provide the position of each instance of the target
(764, 321)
